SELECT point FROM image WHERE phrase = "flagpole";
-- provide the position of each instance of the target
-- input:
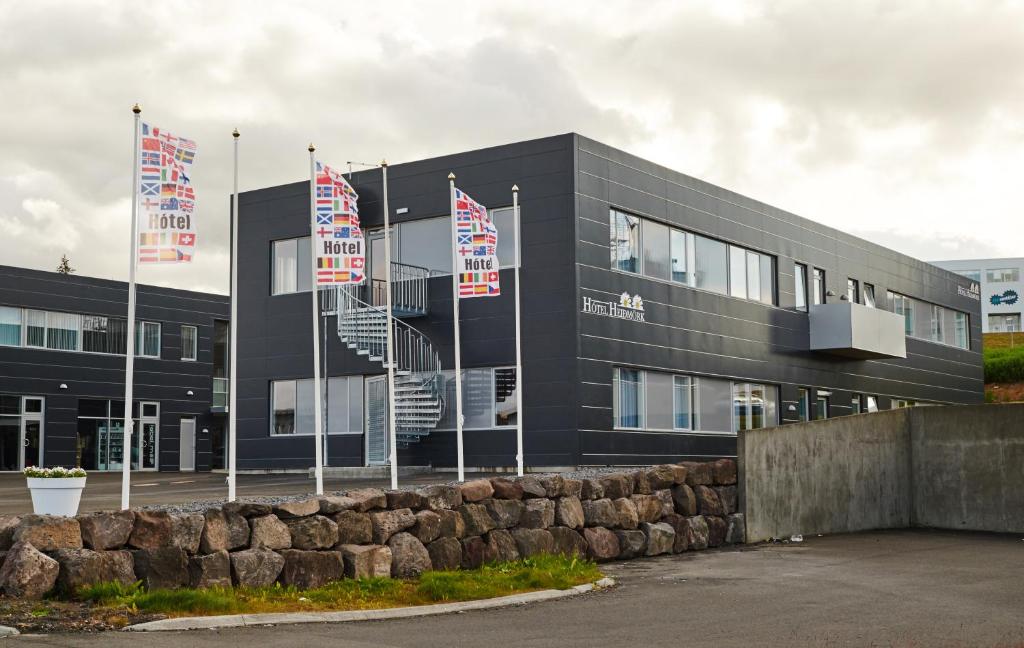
(519, 343)
(392, 432)
(318, 469)
(129, 370)
(233, 360)
(458, 351)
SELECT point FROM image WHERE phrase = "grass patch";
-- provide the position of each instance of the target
(499, 579)
(1004, 365)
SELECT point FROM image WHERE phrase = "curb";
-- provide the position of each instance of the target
(282, 618)
(7, 631)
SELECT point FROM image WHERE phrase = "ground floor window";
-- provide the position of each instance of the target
(489, 398)
(292, 406)
(21, 431)
(754, 406)
(101, 435)
(900, 403)
(628, 399)
(803, 404)
(1004, 323)
(823, 405)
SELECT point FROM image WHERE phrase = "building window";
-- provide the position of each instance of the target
(682, 402)
(803, 404)
(680, 255)
(489, 398)
(869, 295)
(1006, 323)
(189, 342)
(506, 392)
(857, 404)
(930, 322)
(656, 244)
(711, 265)
(800, 286)
(853, 291)
(10, 326)
(973, 275)
(282, 407)
(818, 286)
(901, 403)
(822, 410)
(753, 406)
(292, 269)
(629, 395)
(625, 241)
(147, 339)
(1003, 275)
(871, 404)
(653, 400)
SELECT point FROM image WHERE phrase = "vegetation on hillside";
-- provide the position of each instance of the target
(1004, 365)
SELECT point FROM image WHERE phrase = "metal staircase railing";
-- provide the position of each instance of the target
(409, 295)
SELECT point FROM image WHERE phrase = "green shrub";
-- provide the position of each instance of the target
(1004, 365)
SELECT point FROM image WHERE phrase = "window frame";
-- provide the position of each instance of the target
(195, 343)
(818, 287)
(641, 404)
(1007, 275)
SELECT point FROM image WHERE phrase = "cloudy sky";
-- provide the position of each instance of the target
(902, 122)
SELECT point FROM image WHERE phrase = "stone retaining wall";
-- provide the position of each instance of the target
(368, 532)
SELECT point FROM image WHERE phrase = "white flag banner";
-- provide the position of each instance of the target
(166, 198)
(340, 255)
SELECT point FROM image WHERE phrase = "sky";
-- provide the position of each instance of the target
(901, 122)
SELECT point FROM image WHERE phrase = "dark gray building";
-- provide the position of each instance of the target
(62, 368)
(661, 314)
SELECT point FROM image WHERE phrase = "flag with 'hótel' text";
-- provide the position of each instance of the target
(476, 248)
(166, 198)
(338, 240)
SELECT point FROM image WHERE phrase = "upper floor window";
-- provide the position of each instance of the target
(625, 241)
(75, 332)
(973, 275)
(10, 326)
(800, 286)
(853, 291)
(189, 340)
(818, 286)
(930, 322)
(869, 295)
(1003, 275)
(292, 266)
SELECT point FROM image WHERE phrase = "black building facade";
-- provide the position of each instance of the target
(62, 372)
(660, 314)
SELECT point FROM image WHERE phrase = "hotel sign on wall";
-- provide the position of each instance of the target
(627, 307)
(974, 292)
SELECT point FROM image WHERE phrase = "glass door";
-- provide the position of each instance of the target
(376, 421)
(378, 274)
(145, 444)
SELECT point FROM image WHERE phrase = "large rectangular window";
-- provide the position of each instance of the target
(1005, 323)
(292, 269)
(930, 322)
(189, 342)
(973, 275)
(800, 286)
(754, 406)
(656, 244)
(628, 398)
(10, 326)
(62, 331)
(625, 241)
(711, 265)
(488, 398)
(1003, 275)
(147, 339)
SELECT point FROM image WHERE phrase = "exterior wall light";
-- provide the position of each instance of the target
(63, 385)
(189, 393)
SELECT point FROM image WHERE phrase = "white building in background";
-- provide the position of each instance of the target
(1002, 293)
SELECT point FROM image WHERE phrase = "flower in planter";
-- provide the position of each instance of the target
(57, 472)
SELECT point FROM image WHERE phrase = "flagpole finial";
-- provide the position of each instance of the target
(235, 134)
(383, 163)
(515, 188)
(451, 175)
(311, 147)
(136, 109)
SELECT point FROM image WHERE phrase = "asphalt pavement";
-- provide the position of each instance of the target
(893, 589)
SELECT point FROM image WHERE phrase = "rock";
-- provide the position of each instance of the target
(187, 531)
(211, 570)
(707, 501)
(727, 496)
(665, 497)
(724, 472)
(504, 512)
(81, 567)
(151, 530)
(404, 499)
(445, 554)
(569, 512)
(591, 489)
(661, 538)
(102, 531)
(427, 527)
(452, 524)
(506, 488)
(602, 544)
(409, 558)
(354, 527)
(679, 473)
(388, 523)
(641, 484)
(698, 474)
(500, 546)
(333, 504)
(736, 532)
(538, 514)
(532, 488)
(532, 542)
(441, 497)
(247, 509)
(572, 488)
(554, 485)
(476, 518)
(301, 508)
(366, 561)
(616, 485)
(49, 532)
(27, 573)
(309, 569)
(648, 508)
(161, 568)
(679, 526)
(222, 531)
(696, 533)
(628, 518)
(632, 543)
(684, 499)
(8, 523)
(311, 533)
(256, 567)
(269, 532)
(568, 542)
(661, 477)
(600, 513)
(717, 529)
(474, 552)
(476, 490)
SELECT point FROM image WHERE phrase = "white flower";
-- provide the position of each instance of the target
(56, 472)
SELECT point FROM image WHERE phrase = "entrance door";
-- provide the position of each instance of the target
(32, 432)
(146, 443)
(187, 452)
(10, 442)
(378, 275)
(376, 421)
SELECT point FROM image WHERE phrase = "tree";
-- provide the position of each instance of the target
(65, 266)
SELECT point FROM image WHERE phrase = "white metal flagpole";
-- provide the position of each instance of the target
(519, 343)
(392, 432)
(458, 352)
(233, 359)
(129, 370)
(318, 469)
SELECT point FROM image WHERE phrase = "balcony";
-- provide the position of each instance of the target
(857, 331)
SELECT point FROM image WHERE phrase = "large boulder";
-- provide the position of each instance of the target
(554, 485)
(616, 485)
(569, 512)
(661, 538)
(568, 542)
(736, 533)
(476, 490)
(698, 474)
(222, 531)
(49, 532)
(532, 542)
(500, 546)
(405, 499)
(8, 523)
(717, 530)
(247, 509)
(696, 533)
(648, 507)
(269, 532)
(679, 473)
(187, 531)
(368, 499)
(572, 487)
(724, 472)
(727, 496)
(366, 561)
(641, 483)
(427, 527)
(109, 530)
(507, 488)
(661, 477)
(505, 512)
(161, 568)
(409, 558)
(532, 488)
(27, 573)
(602, 544)
(333, 504)
(452, 524)
(445, 553)
(679, 526)
(474, 552)
(388, 523)
(309, 569)
(256, 567)
(707, 501)
(539, 513)
(478, 521)
(354, 527)
(632, 543)
(296, 509)
(311, 533)
(211, 570)
(684, 499)
(81, 567)
(591, 489)
(600, 513)
(441, 497)
(628, 518)
(664, 496)
(151, 530)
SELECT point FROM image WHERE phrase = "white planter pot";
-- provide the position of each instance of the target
(58, 496)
